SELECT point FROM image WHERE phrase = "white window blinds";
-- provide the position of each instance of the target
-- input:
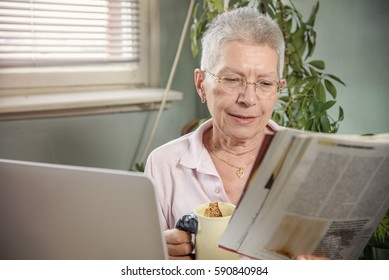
(68, 32)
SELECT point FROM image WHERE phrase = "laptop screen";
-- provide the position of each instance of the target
(50, 211)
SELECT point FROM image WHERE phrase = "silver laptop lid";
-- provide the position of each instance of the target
(50, 211)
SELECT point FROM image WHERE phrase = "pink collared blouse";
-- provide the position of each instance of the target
(185, 176)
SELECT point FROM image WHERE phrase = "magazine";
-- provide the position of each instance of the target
(312, 193)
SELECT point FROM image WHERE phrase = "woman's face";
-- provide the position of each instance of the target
(241, 115)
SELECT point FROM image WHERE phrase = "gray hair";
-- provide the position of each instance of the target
(245, 25)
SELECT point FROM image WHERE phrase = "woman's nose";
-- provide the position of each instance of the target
(248, 96)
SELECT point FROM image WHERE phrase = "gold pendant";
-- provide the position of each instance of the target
(240, 173)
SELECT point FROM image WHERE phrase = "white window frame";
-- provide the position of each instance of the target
(45, 92)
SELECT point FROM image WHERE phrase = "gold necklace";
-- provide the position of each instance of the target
(239, 170)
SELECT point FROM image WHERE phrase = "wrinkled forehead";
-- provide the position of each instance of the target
(239, 53)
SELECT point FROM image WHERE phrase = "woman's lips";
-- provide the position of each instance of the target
(243, 119)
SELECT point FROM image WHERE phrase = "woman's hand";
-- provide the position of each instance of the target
(179, 244)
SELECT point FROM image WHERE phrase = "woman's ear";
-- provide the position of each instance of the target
(283, 83)
(199, 84)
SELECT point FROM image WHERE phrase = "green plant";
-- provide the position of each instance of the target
(378, 245)
(310, 92)
(380, 237)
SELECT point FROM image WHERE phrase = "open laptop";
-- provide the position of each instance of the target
(50, 211)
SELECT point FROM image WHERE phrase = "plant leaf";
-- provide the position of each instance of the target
(341, 114)
(291, 81)
(319, 64)
(302, 48)
(312, 17)
(328, 105)
(381, 234)
(313, 72)
(216, 5)
(139, 166)
(336, 79)
(313, 45)
(325, 123)
(295, 62)
(308, 124)
(284, 98)
(314, 126)
(320, 93)
(297, 37)
(194, 47)
(316, 106)
(330, 88)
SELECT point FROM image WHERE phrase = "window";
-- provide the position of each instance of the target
(53, 47)
(59, 32)
(56, 43)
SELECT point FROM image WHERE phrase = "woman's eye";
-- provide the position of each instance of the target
(265, 83)
(232, 80)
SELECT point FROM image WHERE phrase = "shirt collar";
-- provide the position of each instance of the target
(197, 156)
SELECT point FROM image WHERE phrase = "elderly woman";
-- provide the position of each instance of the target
(240, 81)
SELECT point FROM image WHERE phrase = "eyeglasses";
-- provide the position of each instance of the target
(234, 84)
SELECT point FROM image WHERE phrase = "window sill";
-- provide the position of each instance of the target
(83, 103)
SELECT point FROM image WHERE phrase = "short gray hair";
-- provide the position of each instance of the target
(246, 25)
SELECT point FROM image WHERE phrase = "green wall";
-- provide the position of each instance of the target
(351, 39)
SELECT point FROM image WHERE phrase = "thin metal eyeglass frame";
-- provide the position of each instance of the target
(245, 83)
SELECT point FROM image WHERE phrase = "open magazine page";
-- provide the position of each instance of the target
(252, 200)
(278, 194)
(327, 200)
